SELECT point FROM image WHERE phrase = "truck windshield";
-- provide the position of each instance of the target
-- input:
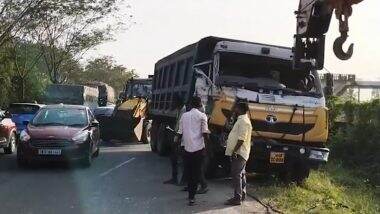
(258, 72)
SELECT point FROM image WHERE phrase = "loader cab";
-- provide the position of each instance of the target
(140, 88)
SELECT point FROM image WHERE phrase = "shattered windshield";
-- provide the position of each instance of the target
(257, 72)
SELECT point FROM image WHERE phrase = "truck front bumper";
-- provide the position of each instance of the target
(264, 152)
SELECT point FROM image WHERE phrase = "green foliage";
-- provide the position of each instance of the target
(332, 189)
(357, 144)
(42, 41)
(103, 70)
(6, 71)
(63, 29)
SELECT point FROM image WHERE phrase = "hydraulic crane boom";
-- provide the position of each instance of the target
(313, 22)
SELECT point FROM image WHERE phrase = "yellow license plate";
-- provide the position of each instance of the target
(277, 157)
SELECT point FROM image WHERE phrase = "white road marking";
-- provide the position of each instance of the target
(116, 167)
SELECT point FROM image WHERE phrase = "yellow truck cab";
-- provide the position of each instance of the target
(287, 106)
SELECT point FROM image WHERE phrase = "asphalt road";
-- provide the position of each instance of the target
(125, 178)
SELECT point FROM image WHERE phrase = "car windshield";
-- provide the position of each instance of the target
(255, 72)
(61, 117)
(23, 109)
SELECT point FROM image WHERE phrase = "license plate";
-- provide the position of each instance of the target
(277, 157)
(49, 152)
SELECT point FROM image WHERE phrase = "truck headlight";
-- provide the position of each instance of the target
(24, 136)
(80, 137)
(319, 155)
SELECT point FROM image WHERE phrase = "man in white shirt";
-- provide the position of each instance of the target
(193, 130)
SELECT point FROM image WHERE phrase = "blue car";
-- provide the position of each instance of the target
(22, 112)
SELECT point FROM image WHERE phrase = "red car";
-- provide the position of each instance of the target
(60, 133)
(7, 133)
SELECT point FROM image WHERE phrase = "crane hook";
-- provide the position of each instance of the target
(338, 48)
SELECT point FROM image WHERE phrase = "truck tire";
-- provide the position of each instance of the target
(300, 173)
(162, 141)
(154, 136)
(296, 174)
(146, 136)
(11, 148)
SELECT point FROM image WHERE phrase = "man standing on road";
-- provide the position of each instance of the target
(175, 147)
(238, 148)
(193, 130)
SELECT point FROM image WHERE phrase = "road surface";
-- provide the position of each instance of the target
(125, 178)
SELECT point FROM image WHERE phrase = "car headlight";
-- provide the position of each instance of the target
(24, 136)
(80, 137)
(319, 155)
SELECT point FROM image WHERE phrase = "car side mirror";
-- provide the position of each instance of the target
(7, 114)
(94, 123)
(25, 123)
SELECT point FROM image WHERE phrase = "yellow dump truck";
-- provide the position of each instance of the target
(287, 106)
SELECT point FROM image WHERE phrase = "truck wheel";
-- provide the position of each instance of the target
(146, 137)
(162, 141)
(300, 174)
(154, 136)
(285, 176)
(11, 148)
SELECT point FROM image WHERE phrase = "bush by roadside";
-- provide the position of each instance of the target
(332, 189)
(357, 144)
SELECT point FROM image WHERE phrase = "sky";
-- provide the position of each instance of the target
(164, 26)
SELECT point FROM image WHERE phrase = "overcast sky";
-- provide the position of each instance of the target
(163, 26)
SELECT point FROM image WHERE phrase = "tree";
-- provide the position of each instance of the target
(68, 28)
(105, 70)
(15, 15)
(6, 71)
(26, 57)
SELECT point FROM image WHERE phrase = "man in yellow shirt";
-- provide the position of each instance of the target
(238, 148)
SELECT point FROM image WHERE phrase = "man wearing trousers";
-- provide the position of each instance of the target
(193, 130)
(238, 148)
(174, 146)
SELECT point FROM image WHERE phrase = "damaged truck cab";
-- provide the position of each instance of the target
(287, 106)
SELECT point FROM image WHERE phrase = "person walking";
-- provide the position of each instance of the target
(203, 189)
(238, 148)
(174, 146)
(193, 130)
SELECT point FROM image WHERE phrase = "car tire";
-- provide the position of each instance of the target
(21, 161)
(96, 154)
(147, 137)
(11, 148)
(87, 161)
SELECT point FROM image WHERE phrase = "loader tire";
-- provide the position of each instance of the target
(147, 133)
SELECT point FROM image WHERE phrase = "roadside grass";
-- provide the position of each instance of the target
(332, 189)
